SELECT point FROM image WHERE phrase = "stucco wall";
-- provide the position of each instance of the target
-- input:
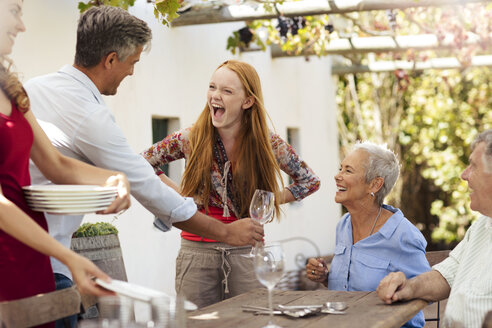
(171, 81)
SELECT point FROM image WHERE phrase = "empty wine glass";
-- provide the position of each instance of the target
(261, 209)
(269, 267)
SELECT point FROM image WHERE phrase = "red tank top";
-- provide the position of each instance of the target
(215, 212)
(23, 271)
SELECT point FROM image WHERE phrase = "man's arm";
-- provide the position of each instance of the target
(430, 286)
(164, 178)
(238, 233)
(104, 144)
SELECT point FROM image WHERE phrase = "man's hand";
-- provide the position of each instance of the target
(122, 202)
(394, 287)
(244, 232)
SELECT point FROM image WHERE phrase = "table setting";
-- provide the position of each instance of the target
(314, 308)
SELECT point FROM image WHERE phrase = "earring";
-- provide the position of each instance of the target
(372, 194)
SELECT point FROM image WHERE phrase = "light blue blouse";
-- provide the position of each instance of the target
(397, 246)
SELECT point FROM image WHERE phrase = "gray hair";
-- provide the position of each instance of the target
(107, 29)
(486, 137)
(382, 163)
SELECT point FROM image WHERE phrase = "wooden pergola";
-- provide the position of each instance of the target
(215, 12)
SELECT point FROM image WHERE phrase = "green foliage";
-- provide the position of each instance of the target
(431, 123)
(446, 110)
(166, 10)
(235, 43)
(459, 22)
(313, 38)
(115, 3)
(95, 229)
(269, 5)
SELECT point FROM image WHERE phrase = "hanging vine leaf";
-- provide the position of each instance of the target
(166, 10)
(125, 4)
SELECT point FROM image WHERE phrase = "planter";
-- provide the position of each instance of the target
(104, 251)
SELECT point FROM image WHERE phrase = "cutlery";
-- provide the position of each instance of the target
(249, 308)
(331, 311)
(294, 312)
(291, 313)
(328, 307)
(295, 307)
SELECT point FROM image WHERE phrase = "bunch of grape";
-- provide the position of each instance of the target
(330, 28)
(245, 35)
(290, 24)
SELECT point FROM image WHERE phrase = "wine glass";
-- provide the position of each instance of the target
(269, 265)
(261, 209)
(115, 311)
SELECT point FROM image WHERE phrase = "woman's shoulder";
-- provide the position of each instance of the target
(404, 231)
(344, 222)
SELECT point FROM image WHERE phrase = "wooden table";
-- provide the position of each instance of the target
(365, 309)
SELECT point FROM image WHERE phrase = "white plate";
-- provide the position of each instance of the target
(75, 207)
(67, 198)
(139, 292)
(73, 211)
(72, 206)
(70, 203)
(69, 189)
(69, 193)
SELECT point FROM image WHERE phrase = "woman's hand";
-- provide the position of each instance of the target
(122, 202)
(317, 270)
(84, 272)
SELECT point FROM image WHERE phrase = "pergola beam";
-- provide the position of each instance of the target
(379, 44)
(389, 66)
(233, 13)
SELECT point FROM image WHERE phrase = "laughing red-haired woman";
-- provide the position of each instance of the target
(230, 152)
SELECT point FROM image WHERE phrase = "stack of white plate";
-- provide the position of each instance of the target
(69, 199)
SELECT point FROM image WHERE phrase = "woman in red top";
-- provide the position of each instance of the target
(229, 151)
(25, 245)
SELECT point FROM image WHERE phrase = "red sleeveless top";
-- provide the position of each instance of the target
(215, 212)
(23, 271)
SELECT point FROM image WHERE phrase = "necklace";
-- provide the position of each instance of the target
(374, 225)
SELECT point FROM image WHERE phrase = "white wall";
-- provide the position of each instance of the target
(171, 81)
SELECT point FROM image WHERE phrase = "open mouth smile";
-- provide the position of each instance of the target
(218, 110)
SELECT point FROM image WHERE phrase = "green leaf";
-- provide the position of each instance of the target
(167, 10)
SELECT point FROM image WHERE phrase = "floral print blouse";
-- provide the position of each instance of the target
(177, 146)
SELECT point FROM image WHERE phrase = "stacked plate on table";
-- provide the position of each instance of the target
(69, 199)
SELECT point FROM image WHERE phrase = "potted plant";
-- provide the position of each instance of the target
(99, 243)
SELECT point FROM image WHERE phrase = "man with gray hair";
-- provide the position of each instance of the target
(465, 276)
(69, 106)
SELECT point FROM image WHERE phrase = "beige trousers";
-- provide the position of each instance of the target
(207, 273)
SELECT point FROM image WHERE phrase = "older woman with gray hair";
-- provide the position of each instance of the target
(372, 239)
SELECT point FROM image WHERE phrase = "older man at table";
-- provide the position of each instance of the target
(465, 276)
